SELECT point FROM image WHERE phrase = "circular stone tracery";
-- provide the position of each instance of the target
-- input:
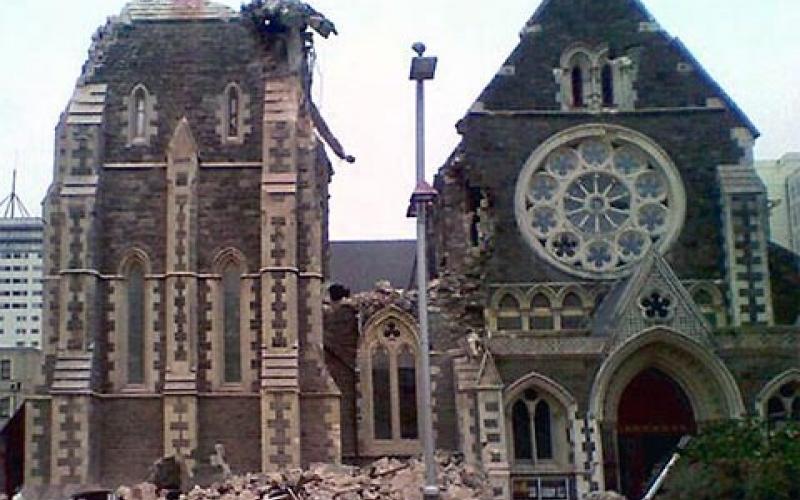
(594, 199)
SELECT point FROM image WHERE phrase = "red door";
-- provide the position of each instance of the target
(654, 413)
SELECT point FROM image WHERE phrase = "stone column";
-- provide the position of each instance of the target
(180, 297)
(71, 324)
(745, 223)
(466, 373)
(319, 394)
(492, 429)
(280, 402)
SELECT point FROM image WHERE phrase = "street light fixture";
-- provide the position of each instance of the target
(423, 68)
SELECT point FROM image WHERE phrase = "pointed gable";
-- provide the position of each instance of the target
(650, 69)
(652, 296)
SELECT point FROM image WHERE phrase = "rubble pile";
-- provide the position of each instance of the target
(385, 479)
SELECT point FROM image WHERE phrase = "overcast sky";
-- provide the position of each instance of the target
(752, 48)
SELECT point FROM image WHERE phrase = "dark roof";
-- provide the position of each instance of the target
(359, 264)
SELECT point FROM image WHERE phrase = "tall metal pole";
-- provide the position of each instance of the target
(423, 68)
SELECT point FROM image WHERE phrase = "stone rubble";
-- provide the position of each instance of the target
(387, 478)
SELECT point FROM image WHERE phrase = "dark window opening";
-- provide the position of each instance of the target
(407, 390)
(521, 423)
(607, 81)
(544, 443)
(233, 112)
(577, 87)
(231, 283)
(135, 324)
(381, 401)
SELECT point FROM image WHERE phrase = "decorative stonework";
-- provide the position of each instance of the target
(743, 199)
(390, 336)
(594, 198)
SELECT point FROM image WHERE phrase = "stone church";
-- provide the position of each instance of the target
(603, 282)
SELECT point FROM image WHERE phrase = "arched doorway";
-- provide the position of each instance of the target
(654, 413)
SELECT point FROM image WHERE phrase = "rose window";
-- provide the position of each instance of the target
(594, 199)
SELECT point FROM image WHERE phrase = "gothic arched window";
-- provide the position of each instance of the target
(381, 387)
(233, 111)
(407, 393)
(509, 316)
(573, 313)
(521, 422)
(607, 85)
(577, 87)
(139, 113)
(387, 357)
(532, 427)
(135, 323)
(541, 313)
(231, 298)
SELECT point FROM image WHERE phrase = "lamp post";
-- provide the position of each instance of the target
(423, 68)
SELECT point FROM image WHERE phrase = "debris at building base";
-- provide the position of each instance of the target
(387, 478)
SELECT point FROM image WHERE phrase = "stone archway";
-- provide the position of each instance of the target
(692, 371)
(654, 413)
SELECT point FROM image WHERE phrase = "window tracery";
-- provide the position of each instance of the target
(784, 403)
(388, 363)
(593, 199)
(591, 80)
(509, 314)
(532, 428)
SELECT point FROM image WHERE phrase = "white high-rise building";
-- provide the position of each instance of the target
(21, 282)
(783, 189)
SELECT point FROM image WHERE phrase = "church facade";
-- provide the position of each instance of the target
(603, 282)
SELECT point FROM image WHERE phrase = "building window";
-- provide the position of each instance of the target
(573, 313)
(135, 322)
(577, 87)
(388, 357)
(140, 113)
(784, 404)
(407, 392)
(381, 386)
(5, 369)
(541, 313)
(590, 80)
(509, 316)
(233, 112)
(5, 407)
(231, 291)
(532, 427)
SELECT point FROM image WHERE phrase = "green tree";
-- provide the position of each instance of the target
(739, 460)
